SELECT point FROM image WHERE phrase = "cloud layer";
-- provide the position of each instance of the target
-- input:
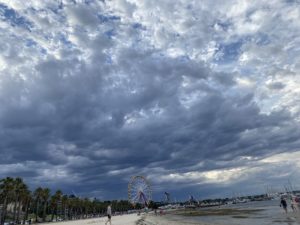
(196, 95)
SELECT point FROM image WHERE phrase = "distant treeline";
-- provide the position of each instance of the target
(20, 205)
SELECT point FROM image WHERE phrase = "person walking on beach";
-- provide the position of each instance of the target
(294, 204)
(108, 214)
(283, 204)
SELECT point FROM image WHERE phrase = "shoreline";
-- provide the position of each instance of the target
(250, 215)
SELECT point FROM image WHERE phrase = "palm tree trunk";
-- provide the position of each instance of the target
(57, 213)
(37, 211)
(52, 216)
(44, 212)
(26, 211)
(15, 209)
(18, 212)
(65, 212)
(4, 211)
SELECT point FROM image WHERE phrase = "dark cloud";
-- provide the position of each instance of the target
(106, 100)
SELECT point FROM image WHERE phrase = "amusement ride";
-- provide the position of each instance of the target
(139, 191)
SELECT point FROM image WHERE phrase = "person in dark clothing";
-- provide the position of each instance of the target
(283, 204)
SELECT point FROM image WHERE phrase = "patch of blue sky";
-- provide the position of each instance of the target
(88, 2)
(229, 52)
(108, 59)
(225, 25)
(55, 9)
(30, 43)
(12, 17)
(44, 51)
(48, 37)
(110, 33)
(63, 39)
(138, 26)
(262, 39)
(105, 19)
(33, 44)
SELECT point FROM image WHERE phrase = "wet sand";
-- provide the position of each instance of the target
(260, 213)
(151, 219)
(252, 213)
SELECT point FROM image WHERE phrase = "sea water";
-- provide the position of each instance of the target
(266, 213)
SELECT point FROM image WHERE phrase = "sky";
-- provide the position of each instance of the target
(200, 97)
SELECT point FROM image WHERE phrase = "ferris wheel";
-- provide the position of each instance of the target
(139, 191)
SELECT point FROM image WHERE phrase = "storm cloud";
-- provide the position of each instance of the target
(199, 97)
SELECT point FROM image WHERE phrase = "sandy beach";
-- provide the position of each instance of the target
(131, 219)
(151, 219)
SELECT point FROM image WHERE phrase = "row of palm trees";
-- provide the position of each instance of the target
(18, 204)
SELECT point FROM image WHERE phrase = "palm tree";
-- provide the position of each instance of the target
(6, 194)
(15, 192)
(19, 188)
(56, 203)
(23, 193)
(27, 198)
(45, 198)
(38, 193)
(65, 205)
